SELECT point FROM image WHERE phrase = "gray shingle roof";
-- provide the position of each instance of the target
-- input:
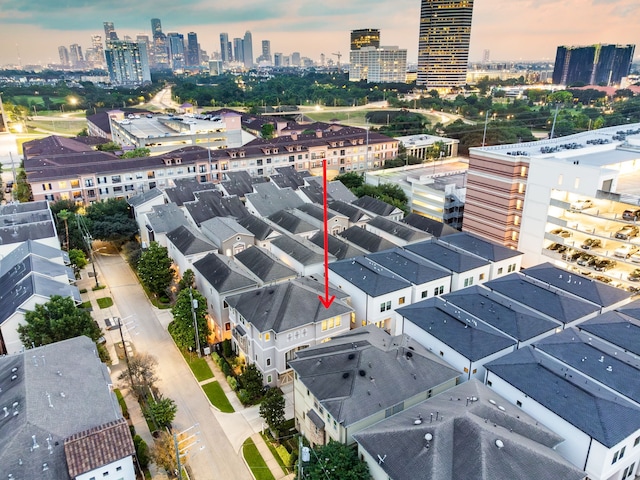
(222, 273)
(293, 224)
(432, 227)
(285, 306)
(375, 206)
(601, 414)
(470, 338)
(31, 248)
(144, 197)
(189, 241)
(398, 229)
(616, 328)
(463, 440)
(240, 183)
(185, 190)
(514, 320)
(561, 307)
(368, 276)
(366, 240)
(221, 229)
(337, 247)
(303, 251)
(336, 190)
(583, 287)
(289, 177)
(167, 217)
(269, 199)
(353, 213)
(446, 257)
(481, 247)
(210, 204)
(409, 266)
(354, 376)
(260, 229)
(70, 373)
(264, 265)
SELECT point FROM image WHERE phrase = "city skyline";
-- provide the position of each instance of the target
(32, 30)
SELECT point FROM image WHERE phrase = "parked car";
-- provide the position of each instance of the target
(627, 232)
(571, 255)
(586, 260)
(631, 215)
(561, 232)
(604, 264)
(590, 243)
(635, 258)
(555, 247)
(580, 205)
(634, 276)
(602, 278)
(625, 251)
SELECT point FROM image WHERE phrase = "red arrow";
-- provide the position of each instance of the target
(327, 300)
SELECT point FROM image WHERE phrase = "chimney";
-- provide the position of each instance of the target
(318, 133)
(294, 136)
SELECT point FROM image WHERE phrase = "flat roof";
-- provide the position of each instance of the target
(443, 173)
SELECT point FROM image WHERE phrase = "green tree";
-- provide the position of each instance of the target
(267, 131)
(64, 216)
(155, 270)
(187, 280)
(109, 147)
(351, 180)
(22, 189)
(78, 259)
(272, 410)
(251, 381)
(56, 320)
(162, 411)
(110, 221)
(136, 153)
(336, 460)
(181, 328)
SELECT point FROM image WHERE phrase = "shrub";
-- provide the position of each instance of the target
(226, 369)
(233, 383)
(216, 358)
(284, 455)
(227, 351)
(244, 397)
(83, 290)
(142, 451)
(123, 404)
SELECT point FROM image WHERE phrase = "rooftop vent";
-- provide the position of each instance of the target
(499, 443)
(345, 375)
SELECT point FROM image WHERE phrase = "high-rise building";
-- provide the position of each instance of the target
(75, 55)
(365, 37)
(226, 54)
(64, 55)
(193, 50)
(378, 65)
(156, 27)
(96, 58)
(176, 50)
(277, 59)
(486, 54)
(295, 59)
(443, 46)
(601, 64)
(109, 32)
(238, 50)
(159, 51)
(266, 52)
(247, 45)
(127, 62)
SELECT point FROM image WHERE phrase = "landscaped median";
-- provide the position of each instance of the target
(254, 460)
(217, 397)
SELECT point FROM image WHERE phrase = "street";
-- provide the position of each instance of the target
(146, 329)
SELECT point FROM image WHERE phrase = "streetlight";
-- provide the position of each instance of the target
(182, 451)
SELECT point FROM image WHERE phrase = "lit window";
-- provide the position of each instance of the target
(338, 321)
(401, 301)
(267, 337)
(324, 325)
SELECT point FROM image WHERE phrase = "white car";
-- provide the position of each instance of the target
(635, 258)
(625, 251)
(580, 205)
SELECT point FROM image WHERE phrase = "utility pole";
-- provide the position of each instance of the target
(194, 305)
(181, 451)
(553, 127)
(486, 120)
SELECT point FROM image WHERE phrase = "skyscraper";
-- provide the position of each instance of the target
(266, 52)
(443, 46)
(156, 27)
(226, 54)
(127, 62)
(176, 50)
(75, 55)
(365, 37)
(64, 55)
(193, 50)
(247, 45)
(97, 54)
(159, 53)
(592, 65)
(378, 65)
(109, 32)
(238, 50)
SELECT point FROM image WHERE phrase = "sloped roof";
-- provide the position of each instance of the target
(407, 265)
(185, 190)
(470, 338)
(223, 274)
(398, 229)
(299, 249)
(264, 265)
(617, 328)
(286, 306)
(221, 229)
(286, 220)
(211, 203)
(98, 446)
(479, 246)
(516, 321)
(366, 371)
(432, 227)
(368, 276)
(189, 241)
(446, 257)
(268, 199)
(336, 190)
(28, 248)
(337, 247)
(365, 239)
(167, 217)
(375, 206)
(240, 183)
(260, 229)
(553, 303)
(144, 197)
(463, 444)
(578, 285)
(289, 177)
(353, 213)
(599, 413)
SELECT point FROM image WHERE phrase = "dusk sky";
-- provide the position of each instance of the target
(32, 30)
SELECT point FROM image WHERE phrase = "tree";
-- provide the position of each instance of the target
(109, 147)
(182, 328)
(187, 280)
(272, 410)
(251, 381)
(136, 153)
(163, 452)
(267, 131)
(154, 268)
(162, 411)
(143, 374)
(78, 259)
(64, 216)
(335, 460)
(56, 320)
(110, 221)
(351, 180)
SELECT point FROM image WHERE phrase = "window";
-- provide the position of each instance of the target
(62, 185)
(489, 383)
(636, 442)
(88, 182)
(385, 306)
(105, 474)
(439, 290)
(482, 276)
(401, 301)
(267, 337)
(518, 403)
(268, 362)
(618, 455)
(511, 268)
(269, 378)
(424, 294)
(118, 469)
(324, 325)
(500, 271)
(115, 179)
(468, 282)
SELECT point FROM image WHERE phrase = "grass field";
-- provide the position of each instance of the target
(216, 396)
(104, 302)
(255, 461)
(198, 365)
(61, 126)
(355, 118)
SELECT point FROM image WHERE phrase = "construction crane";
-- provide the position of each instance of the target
(339, 55)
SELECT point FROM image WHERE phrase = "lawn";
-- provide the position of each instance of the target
(255, 461)
(198, 365)
(269, 441)
(356, 118)
(105, 302)
(60, 126)
(217, 397)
